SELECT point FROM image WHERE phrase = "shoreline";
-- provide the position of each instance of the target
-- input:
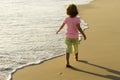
(96, 62)
(34, 64)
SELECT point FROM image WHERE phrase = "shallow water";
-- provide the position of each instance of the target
(27, 32)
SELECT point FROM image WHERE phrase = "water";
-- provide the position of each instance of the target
(27, 32)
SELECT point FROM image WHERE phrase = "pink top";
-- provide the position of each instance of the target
(72, 30)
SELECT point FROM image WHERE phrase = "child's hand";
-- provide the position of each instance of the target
(57, 32)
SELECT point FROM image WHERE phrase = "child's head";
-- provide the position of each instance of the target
(72, 10)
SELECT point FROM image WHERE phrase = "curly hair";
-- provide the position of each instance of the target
(72, 10)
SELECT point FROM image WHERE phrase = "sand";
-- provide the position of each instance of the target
(99, 55)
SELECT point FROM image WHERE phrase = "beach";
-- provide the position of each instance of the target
(98, 55)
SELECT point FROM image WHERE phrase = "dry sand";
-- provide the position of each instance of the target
(99, 55)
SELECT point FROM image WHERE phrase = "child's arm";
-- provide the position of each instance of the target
(79, 28)
(60, 28)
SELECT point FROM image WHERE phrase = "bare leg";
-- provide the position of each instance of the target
(76, 56)
(67, 59)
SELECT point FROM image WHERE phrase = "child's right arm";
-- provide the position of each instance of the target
(79, 28)
(60, 28)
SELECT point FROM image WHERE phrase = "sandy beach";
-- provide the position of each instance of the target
(99, 55)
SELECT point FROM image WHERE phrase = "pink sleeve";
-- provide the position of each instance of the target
(78, 20)
(65, 20)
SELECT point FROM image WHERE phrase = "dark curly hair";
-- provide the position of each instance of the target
(72, 10)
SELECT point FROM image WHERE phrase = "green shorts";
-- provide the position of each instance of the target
(71, 45)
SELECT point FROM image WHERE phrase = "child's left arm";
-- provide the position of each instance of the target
(80, 30)
(60, 28)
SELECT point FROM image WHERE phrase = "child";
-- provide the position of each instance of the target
(73, 26)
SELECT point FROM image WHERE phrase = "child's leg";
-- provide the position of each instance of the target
(75, 46)
(68, 51)
(76, 56)
(67, 59)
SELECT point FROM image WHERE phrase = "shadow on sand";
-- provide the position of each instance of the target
(112, 77)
